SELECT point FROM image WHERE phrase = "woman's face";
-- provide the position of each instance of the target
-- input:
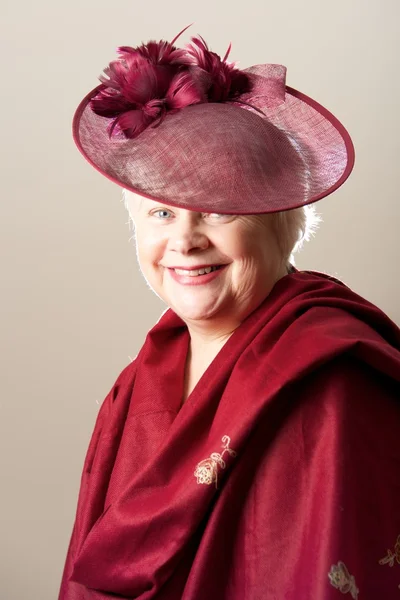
(209, 268)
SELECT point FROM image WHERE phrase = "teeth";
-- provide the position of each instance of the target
(195, 272)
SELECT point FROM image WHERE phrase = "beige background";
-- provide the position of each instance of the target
(74, 307)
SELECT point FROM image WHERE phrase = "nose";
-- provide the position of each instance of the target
(187, 235)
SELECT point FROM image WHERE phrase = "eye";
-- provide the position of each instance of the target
(162, 214)
(218, 217)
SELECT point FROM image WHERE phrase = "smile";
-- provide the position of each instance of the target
(203, 275)
(196, 272)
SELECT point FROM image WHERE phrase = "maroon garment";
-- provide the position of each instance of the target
(278, 479)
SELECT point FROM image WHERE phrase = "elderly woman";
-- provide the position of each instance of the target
(251, 450)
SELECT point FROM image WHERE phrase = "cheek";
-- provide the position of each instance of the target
(149, 247)
(256, 253)
(244, 250)
(147, 258)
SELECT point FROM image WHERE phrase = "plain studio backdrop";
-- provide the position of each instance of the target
(75, 308)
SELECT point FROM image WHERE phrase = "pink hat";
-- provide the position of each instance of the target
(187, 128)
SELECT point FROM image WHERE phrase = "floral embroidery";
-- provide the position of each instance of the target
(392, 556)
(207, 470)
(341, 579)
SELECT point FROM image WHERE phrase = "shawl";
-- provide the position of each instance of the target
(278, 478)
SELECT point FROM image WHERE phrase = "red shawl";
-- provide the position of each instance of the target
(278, 479)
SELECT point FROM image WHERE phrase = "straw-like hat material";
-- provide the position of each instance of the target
(259, 149)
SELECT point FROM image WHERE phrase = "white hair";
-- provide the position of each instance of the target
(292, 228)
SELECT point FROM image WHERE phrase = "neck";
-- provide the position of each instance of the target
(201, 352)
(208, 341)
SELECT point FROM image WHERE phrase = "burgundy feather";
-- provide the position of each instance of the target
(109, 104)
(157, 53)
(154, 108)
(131, 123)
(130, 88)
(145, 83)
(184, 91)
(140, 86)
(226, 81)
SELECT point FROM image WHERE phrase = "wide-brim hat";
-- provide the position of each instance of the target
(257, 146)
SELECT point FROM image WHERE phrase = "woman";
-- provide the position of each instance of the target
(251, 450)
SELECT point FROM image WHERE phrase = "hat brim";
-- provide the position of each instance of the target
(225, 158)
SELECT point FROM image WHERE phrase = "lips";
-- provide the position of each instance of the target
(202, 274)
(196, 272)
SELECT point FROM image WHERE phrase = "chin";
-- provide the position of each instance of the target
(193, 313)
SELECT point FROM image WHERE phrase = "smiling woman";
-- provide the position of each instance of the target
(250, 451)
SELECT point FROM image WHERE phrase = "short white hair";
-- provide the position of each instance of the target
(292, 227)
